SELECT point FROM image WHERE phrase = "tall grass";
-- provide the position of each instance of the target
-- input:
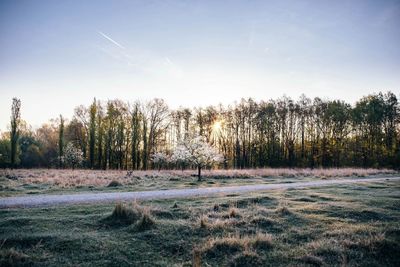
(133, 214)
(98, 178)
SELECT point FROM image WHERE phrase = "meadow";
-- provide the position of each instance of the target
(200, 133)
(54, 181)
(347, 225)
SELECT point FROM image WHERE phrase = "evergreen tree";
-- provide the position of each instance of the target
(15, 123)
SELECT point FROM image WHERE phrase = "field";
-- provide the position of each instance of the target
(52, 181)
(347, 225)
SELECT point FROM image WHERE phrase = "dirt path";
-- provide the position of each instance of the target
(50, 200)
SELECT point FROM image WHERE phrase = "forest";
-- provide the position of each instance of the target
(306, 133)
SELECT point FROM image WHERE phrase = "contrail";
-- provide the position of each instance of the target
(168, 61)
(111, 40)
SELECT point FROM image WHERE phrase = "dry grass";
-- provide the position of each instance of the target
(196, 261)
(12, 257)
(312, 260)
(124, 214)
(146, 221)
(233, 212)
(235, 243)
(290, 172)
(69, 178)
(247, 258)
(215, 224)
(348, 225)
(283, 209)
(203, 221)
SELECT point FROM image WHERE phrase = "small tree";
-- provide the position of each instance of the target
(73, 156)
(92, 132)
(15, 122)
(159, 159)
(61, 141)
(197, 152)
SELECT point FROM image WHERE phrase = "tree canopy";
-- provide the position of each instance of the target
(248, 134)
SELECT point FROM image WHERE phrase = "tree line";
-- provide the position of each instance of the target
(248, 134)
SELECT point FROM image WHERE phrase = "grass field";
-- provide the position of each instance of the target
(348, 225)
(52, 181)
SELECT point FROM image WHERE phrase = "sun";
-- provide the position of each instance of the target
(217, 126)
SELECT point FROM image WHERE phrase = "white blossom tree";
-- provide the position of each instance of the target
(72, 156)
(180, 156)
(197, 152)
(159, 159)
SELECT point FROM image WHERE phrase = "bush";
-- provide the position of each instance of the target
(114, 183)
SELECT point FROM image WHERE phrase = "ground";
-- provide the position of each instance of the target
(354, 224)
(52, 181)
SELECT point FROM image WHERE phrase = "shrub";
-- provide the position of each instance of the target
(114, 183)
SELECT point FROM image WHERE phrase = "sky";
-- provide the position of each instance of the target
(56, 55)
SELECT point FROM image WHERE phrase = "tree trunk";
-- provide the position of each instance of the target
(199, 173)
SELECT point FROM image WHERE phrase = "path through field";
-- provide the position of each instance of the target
(49, 200)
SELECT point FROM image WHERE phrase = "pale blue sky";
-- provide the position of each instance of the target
(55, 55)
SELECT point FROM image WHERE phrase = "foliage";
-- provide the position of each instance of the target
(61, 141)
(73, 156)
(30, 155)
(197, 152)
(159, 159)
(5, 152)
(275, 133)
(92, 132)
(15, 122)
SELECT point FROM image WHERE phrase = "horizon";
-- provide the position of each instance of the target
(56, 56)
(103, 101)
